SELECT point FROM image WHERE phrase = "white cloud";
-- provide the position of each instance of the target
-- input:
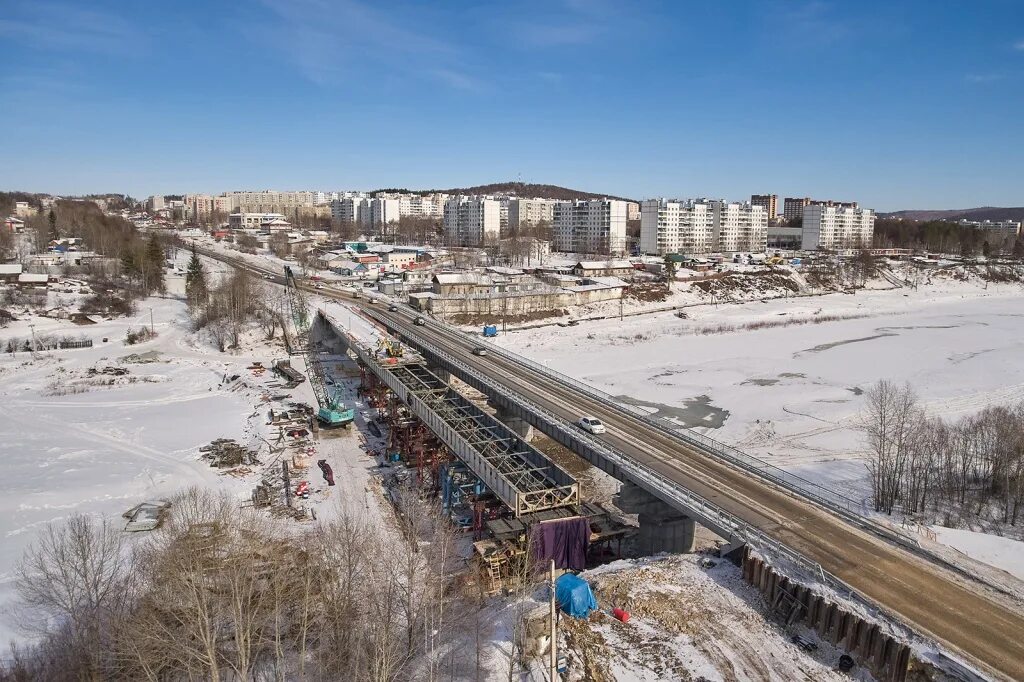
(330, 42)
(66, 27)
(983, 77)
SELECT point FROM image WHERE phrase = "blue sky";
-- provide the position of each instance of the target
(913, 104)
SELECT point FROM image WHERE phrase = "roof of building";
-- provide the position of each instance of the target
(29, 277)
(604, 264)
(347, 265)
(462, 278)
(607, 281)
(502, 270)
(10, 268)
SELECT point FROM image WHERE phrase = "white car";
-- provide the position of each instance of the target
(592, 424)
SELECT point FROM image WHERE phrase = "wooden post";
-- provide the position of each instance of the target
(287, 482)
(553, 655)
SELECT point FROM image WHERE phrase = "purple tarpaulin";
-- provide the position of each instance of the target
(565, 541)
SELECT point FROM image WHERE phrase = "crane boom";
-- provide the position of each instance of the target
(332, 412)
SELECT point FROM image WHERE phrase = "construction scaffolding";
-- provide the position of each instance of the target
(519, 475)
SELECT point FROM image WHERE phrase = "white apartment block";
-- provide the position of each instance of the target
(593, 226)
(530, 212)
(995, 230)
(740, 226)
(700, 226)
(472, 221)
(384, 211)
(837, 227)
(352, 210)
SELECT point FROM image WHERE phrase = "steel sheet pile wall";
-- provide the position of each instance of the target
(886, 657)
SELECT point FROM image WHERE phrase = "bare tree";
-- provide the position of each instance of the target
(891, 423)
(73, 575)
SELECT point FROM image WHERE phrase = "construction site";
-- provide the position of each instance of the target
(519, 507)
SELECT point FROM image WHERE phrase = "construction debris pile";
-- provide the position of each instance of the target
(225, 453)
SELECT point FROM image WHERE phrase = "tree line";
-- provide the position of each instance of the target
(969, 468)
(943, 237)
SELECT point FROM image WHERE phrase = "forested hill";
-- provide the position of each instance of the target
(519, 189)
(952, 215)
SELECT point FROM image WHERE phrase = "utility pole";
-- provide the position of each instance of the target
(553, 660)
(152, 327)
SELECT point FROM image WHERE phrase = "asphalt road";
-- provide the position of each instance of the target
(933, 600)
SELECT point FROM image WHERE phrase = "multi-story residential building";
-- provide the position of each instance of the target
(225, 203)
(740, 226)
(793, 208)
(155, 203)
(591, 226)
(837, 227)
(996, 231)
(198, 206)
(384, 211)
(471, 221)
(769, 202)
(529, 212)
(699, 226)
(632, 210)
(354, 210)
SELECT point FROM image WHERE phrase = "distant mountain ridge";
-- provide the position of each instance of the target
(980, 213)
(520, 189)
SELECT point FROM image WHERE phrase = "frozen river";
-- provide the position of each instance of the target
(792, 394)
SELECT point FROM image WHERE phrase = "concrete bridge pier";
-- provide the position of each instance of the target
(521, 428)
(442, 374)
(662, 528)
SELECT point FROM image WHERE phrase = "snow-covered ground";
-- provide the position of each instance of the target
(77, 439)
(1003, 553)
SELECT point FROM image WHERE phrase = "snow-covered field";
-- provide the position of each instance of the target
(71, 444)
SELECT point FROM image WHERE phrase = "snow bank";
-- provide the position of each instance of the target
(1000, 552)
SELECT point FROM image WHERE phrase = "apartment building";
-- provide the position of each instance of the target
(254, 221)
(769, 202)
(632, 210)
(590, 226)
(354, 210)
(996, 231)
(837, 227)
(472, 221)
(793, 208)
(384, 211)
(198, 206)
(529, 212)
(699, 226)
(225, 203)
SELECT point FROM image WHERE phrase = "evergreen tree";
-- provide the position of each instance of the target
(154, 268)
(196, 289)
(54, 233)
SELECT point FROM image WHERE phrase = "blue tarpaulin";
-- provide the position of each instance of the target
(574, 596)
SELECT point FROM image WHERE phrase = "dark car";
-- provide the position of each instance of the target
(393, 308)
